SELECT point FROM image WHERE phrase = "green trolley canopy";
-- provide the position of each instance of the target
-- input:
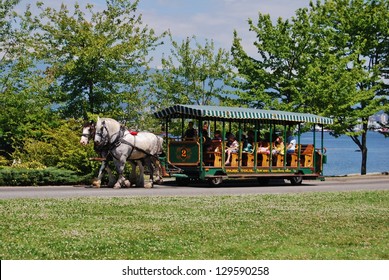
(238, 114)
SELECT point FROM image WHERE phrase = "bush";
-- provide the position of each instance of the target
(37, 177)
(4, 161)
(57, 146)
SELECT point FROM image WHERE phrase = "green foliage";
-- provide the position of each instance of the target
(57, 147)
(97, 61)
(192, 74)
(11, 176)
(24, 101)
(330, 59)
(4, 161)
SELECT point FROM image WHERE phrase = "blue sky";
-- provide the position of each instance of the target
(206, 19)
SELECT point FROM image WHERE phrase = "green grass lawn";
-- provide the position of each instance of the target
(343, 225)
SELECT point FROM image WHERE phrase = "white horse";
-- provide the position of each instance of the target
(88, 132)
(123, 146)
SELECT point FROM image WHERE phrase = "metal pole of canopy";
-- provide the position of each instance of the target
(223, 143)
(256, 143)
(285, 154)
(271, 148)
(201, 155)
(166, 143)
(322, 150)
(314, 148)
(240, 146)
(182, 128)
(298, 144)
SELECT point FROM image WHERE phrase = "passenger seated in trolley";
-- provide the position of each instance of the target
(278, 149)
(263, 148)
(232, 148)
(190, 133)
(279, 146)
(248, 143)
(218, 135)
(251, 137)
(207, 144)
(291, 147)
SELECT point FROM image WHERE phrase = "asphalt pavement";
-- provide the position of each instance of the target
(228, 187)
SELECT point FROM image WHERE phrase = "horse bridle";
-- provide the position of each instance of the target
(92, 131)
(105, 139)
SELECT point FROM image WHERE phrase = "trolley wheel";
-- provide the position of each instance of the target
(297, 180)
(215, 181)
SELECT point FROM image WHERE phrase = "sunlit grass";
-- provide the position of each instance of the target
(349, 225)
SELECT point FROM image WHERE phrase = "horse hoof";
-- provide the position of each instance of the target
(159, 182)
(117, 186)
(96, 184)
(127, 184)
(148, 186)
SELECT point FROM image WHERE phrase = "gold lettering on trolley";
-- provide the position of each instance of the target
(249, 170)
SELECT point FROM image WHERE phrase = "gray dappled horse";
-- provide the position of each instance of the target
(123, 146)
(88, 132)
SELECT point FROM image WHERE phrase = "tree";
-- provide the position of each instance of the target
(274, 80)
(192, 74)
(24, 104)
(97, 62)
(331, 59)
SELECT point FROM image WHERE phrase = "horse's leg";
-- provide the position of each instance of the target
(151, 170)
(120, 165)
(111, 181)
(132, 178)
(97, 182)
(141, 179)
(158, 170)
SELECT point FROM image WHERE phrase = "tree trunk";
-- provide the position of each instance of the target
(364, 150)
(91, 98)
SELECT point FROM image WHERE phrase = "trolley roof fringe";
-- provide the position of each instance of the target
(239, 114)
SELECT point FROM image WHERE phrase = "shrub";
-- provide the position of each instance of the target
(57, 147)
(10, 176)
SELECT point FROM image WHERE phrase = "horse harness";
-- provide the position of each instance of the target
(120, 140)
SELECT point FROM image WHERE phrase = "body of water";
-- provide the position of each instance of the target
(344, 157)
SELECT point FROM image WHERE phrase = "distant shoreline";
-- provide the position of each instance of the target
(356, 175)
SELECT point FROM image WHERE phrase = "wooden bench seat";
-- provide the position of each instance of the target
(213, 155)
(280, 160)
(307, 155)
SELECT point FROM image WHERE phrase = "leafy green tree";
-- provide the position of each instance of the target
(192, 74)
(97, 61)
(274, 79)
(330, 59)
(24, 102)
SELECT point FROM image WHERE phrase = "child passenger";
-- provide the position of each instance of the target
(278, 146)
(232, 148)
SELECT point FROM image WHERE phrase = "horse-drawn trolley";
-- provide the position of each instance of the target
(231, 142)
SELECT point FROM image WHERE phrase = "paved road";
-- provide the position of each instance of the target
(169, 188)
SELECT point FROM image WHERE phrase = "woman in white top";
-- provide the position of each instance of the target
(291, 147)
